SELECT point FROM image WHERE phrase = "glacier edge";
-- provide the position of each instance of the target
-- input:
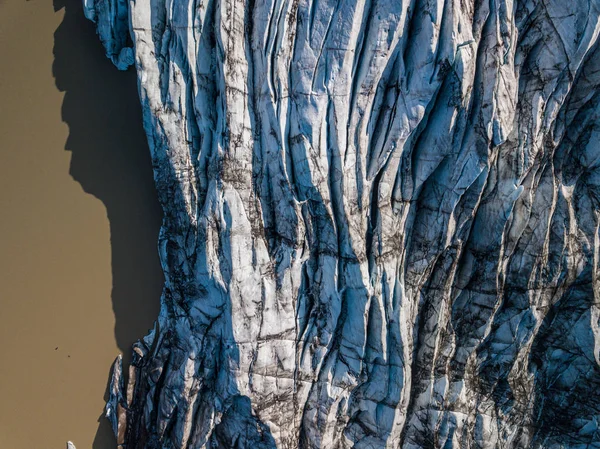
(381, 223)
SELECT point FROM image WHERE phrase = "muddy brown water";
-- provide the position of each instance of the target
(80, 278)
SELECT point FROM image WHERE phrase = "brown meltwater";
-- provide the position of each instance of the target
(80, 278)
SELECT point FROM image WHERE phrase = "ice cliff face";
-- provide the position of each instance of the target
(381, 223)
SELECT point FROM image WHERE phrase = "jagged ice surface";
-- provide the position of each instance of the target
(381, 223)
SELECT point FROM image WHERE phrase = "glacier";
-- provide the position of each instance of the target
(382, 223)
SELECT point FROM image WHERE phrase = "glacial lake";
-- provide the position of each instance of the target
(80, 278)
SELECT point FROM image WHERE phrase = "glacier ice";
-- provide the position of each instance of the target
(381, 223)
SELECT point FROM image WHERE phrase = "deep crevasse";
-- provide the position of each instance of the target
(381, 223)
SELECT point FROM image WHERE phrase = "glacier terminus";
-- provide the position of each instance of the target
(382, 223)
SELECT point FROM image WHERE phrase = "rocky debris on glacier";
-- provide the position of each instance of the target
(381, 223)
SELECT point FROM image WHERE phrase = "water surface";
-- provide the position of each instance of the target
(79, 273)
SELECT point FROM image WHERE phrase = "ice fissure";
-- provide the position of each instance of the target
(382, 223)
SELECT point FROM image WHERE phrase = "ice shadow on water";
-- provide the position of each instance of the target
(111, 161)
